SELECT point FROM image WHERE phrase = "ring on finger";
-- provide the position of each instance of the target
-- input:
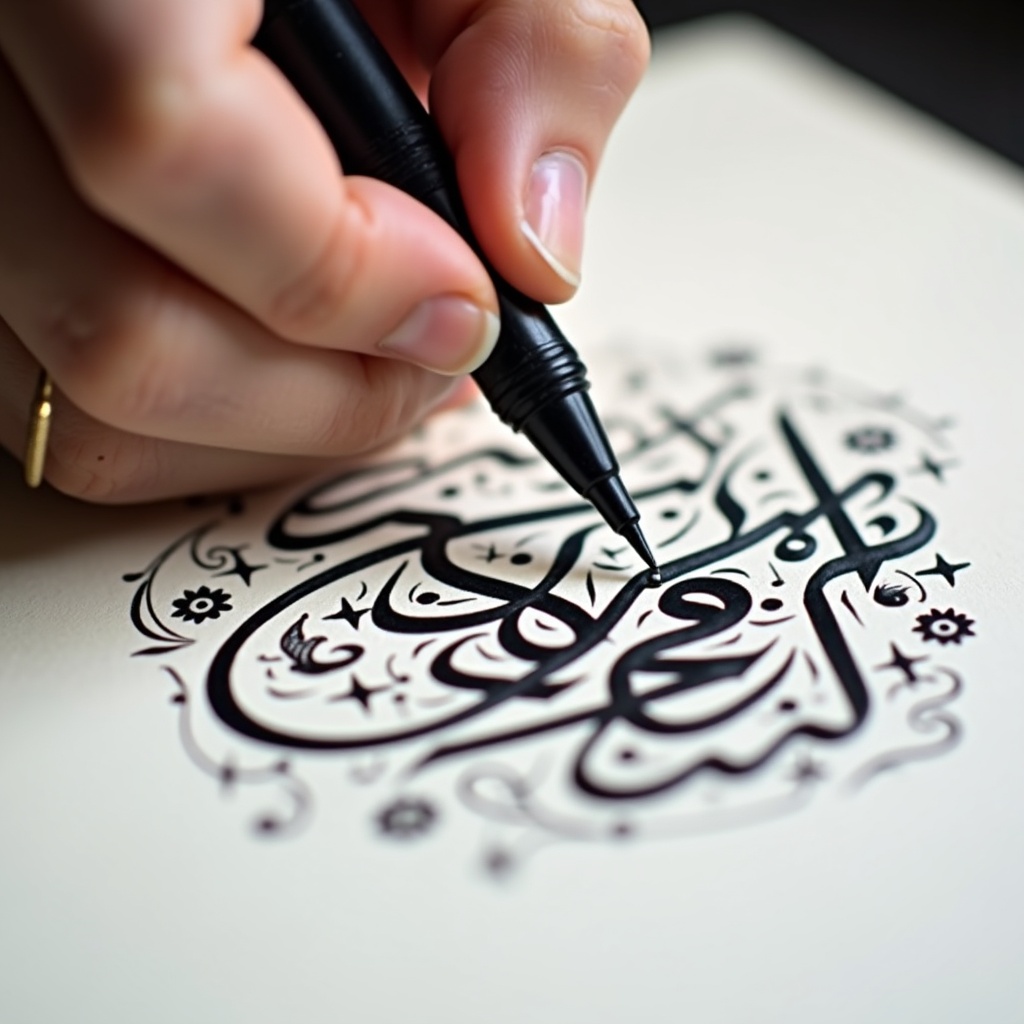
(39, 418)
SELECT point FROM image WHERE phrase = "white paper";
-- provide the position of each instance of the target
(255, 779)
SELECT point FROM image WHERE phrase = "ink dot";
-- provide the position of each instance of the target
(480, 478)
(762, 474)
(399, 698)
(622, 830)
(787, 705)
(499, 863)
(670, 513)
(428, 598)
(522, 558)
(627, 754)
(796, 548)
(771, 604)
(450, 492)
(101, 458)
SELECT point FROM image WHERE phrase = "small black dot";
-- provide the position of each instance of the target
(762, 474)
(622, 831)
(670, 513)
(627, 754)
(787, 705)
(100, 458)
(450, 492)
(522, 558)
(428, 598)
(771, 604)
(399, 698)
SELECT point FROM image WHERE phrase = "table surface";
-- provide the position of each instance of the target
(756, 202)
(959, 61)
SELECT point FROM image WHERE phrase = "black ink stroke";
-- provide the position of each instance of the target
(859, 558)
(479, 635)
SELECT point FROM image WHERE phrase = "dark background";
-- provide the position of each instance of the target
(961, 61)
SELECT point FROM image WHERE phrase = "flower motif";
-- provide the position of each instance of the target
(870, 439)
(202, 604)
(407, 818)
(948, 627)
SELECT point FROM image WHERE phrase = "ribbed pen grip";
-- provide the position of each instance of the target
(538, 367)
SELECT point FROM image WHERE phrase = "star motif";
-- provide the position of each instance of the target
(933, 466)
(360, 693)
(904, 663)
(348, 614)
(944, 569)
(241, 568)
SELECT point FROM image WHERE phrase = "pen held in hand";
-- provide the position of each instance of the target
(533, 379)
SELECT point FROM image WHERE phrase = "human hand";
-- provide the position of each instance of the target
(217, 305)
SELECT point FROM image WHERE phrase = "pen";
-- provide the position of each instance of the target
(533, 379)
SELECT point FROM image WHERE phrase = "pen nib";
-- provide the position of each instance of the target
(632, 533)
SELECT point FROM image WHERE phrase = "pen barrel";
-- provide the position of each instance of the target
(379, 128)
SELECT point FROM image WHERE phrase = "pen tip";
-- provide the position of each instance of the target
(634, 535)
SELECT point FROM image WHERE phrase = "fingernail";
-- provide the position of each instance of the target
(556, 198)
(447, 334)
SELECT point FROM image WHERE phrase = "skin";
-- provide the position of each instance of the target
(208, 300)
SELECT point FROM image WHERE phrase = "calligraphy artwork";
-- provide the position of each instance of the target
(458, 633)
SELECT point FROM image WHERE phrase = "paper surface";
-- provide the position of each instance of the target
(417, 742)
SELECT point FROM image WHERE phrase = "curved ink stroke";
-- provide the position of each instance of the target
(302, 651)
(860, 558)
(728, 668)
(440, 529)
(832, 642)
(279, 537)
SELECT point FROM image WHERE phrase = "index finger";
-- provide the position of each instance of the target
(175, 128)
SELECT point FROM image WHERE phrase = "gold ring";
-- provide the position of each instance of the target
(38, 430)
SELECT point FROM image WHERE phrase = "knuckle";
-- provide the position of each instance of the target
(97, 464)
(114, 359)
(380, 404)
(139, 131)
(608, 34)
(317, 295)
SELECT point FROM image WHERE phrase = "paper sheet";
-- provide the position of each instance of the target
(416, 741)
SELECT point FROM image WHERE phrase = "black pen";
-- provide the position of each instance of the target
(533, 379)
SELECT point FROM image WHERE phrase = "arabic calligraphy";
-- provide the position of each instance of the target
(456, 616)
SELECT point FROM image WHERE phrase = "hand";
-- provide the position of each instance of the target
(217, 305)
